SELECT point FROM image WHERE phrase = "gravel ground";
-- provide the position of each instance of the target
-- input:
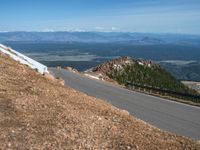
(40, 113)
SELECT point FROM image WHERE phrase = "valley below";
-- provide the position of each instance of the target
(182, 61)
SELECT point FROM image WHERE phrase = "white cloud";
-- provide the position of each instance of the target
(4, 31)
(78, 30)
(47, 30)
(99, 28)
(114, 28)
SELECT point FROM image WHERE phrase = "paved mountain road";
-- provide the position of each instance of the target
(168, 115)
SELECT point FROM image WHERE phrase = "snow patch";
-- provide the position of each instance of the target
(23, 59)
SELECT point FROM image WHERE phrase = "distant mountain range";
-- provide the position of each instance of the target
(135, 38)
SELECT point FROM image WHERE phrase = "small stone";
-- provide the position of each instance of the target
(99, 118)
(9, 144)
(125, 112)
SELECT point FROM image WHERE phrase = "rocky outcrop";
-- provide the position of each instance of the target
(147, 63)
(70, 69)
(120, 62)
(101, 71)
(115, 63)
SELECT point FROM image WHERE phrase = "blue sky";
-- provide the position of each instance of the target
(156, 16)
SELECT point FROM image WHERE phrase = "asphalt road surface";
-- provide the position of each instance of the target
(171, 116)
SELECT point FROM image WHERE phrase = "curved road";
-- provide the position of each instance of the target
(171, 116)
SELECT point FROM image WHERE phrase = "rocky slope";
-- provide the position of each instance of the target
(39, 113)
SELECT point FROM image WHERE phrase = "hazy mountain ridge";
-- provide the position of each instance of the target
(137, 38)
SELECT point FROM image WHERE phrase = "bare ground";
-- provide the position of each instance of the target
(39, 113)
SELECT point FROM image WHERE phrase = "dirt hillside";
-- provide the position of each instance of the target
(39, 113)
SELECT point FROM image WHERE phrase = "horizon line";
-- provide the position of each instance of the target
(90, 31)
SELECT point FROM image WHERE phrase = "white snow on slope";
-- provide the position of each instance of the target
(23, 59)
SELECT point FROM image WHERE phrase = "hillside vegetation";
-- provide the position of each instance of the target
(146, 76)
(152, 75)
